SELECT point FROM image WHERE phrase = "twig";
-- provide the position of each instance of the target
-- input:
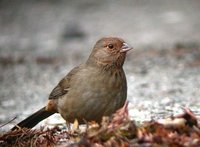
(8, 122)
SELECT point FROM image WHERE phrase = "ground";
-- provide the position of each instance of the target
(40, 41)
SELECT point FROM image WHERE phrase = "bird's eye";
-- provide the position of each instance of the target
(110, 46)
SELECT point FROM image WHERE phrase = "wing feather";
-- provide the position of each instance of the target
(63, 86)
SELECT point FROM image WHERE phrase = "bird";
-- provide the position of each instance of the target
(91, 90)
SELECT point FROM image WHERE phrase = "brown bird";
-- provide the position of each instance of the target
(91, 90)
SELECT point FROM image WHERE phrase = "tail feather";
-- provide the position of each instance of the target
(34, 119)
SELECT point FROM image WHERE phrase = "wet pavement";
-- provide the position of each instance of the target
(41, 41)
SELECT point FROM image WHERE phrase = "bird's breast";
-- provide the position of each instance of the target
(97, 82)
(94, 93)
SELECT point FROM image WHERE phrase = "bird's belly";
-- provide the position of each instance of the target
(93, 99)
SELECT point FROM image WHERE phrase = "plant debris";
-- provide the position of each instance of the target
(119, 130)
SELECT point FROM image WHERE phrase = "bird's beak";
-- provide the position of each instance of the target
(125, 48)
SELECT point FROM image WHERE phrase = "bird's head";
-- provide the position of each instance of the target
(110, 51)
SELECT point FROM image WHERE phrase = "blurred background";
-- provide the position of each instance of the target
(41, 40)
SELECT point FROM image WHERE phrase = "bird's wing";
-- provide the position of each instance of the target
(63, 86)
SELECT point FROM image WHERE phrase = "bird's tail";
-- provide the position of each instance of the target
(34, 119)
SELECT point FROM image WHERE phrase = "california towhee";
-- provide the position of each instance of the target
(91, 90)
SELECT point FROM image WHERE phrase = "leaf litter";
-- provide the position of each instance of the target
(118, 130)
